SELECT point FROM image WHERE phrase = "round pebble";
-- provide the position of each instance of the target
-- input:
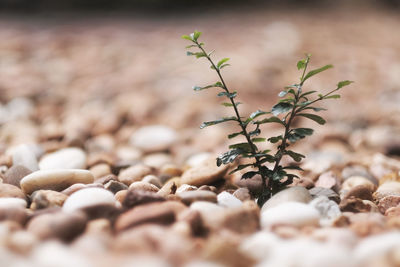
(153, 138)
(67, 158)
(88, 197)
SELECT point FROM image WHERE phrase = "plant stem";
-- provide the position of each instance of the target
(243, 126)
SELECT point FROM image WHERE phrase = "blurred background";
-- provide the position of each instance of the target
(80, 69)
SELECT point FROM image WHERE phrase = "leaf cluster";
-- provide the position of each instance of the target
(293, 104)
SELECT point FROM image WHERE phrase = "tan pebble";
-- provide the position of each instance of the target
(291, 194)
(157, 160)
(54, 179)
(152, 179)
(135, 197)
(100, 170)
(8, 190)
(388, 202)
(22, 242)
(393, 211)
(390, 188)
(134, 174)
(143, 186)
(120, 196)
(189, 197)
(169, 187)
(185, 187)
(42, 199)
(99, 226)
(17, 215)
(206, 173)
(393, 176)
(171, 170)
(105, 179)
(354, 181)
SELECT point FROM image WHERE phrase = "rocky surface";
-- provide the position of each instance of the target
(102, 164)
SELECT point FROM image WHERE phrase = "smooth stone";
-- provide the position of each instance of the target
(42, 199)
(64, 226)
(15, 174)
(15, 213)
(22, 242)
(290, 213)
(134, 173)
(387, 189)
(8, 190)
(189, 197)
(354, 181)
(360, 191)
(291, 194)
(149, 213)
(304, 182)
(260, 245)
(115, 186)
(204, 174)
(328, 209)
(135, 197)
(76, 187)
(228, 200)
(185, 187)
(57, 180)
(88, 197)
(328, 180)
(367, 223)
(242, 220)
(329, 193)
(358, 171)
(198, 159)
(153, 138)
(67, 158)
(100, 170)
(152, 179)
(354, 205)
(25, 156)
(13, 202)
(143, 186)
(171, 170)
(242, 194)
(157, 160)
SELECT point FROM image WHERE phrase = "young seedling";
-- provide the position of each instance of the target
(294, 104)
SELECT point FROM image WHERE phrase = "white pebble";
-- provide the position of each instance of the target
(153, 138)
(228, 200)
(88, 197)
(67, 158)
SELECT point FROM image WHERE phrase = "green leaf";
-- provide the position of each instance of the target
(241, 167)
(218, 84)
(260, 154)
(243, 146)
(332, 97)
(258, 139)
(293, 168)
(301, 64)
(225, 104)
(281, 108)
(269, 120)
(200, 54)
(295, 156)
(222, 61)
(249, 175)
(190, 46)
(234, 135)
(344, 83)
(188, 53)
(282, 93)
(275, 139)
(199, 88)
(315, 108)
(228, 157)
(187, 37)
(209, 123)
(316, 71)
(229, 95)
(256, 132)
(223, 66)
(267, 158)
(316, 118)
(279, 175)
(307, 93)
(257, 113)
(196, 35)
(303, 131)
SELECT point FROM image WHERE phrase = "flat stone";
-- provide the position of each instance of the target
(12, 202)
(60, 225)
(290, 213)
(206, 173)
(15, 174)
(189, 197)
(354, 181)
(153, 138)
(139, 197)
(88, 197)
(150, 213)
(143, 186)
(25, 156)
(134, 173)
(42, 199)
(57, 180)
(228, 200)
(8, 190)
(291, 194)
(115, 186)
(67, 158)
(329, 193)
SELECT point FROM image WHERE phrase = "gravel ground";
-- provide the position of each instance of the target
(102, 162)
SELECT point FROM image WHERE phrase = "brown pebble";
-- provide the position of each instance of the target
(17, 215)
(189, 197)
(139, 197)
(360, 191)
(115, 186)
(388, 202)
(15, 174)
(354, 205)
(9, 190)
(42, 199)
(242, 194)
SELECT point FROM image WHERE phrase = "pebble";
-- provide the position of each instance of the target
(12, 202)
(152, 179)
(24, 155)
(185, 187)
(157, 160)
(15, 174)
(42, 199)
(100, 170)
(136, 197)
(388, 202)
(291, 194)
(8, 190)
(88, 197)
(328, 180)
(66, 158)
(189, 197)
(354, 181)
(387, 189)
(242, 194)
(360, 191)
(354, 205)
(228, 200)
(328, 209)
(54, 179)
(144, 186)
(153, 138)
(205, 173)
(198, 159)
(171, 170)
(61, 225)
(149, 213)
(134, 173)
(22, 242)
(319, 191)
(115, 186)
(290, 213)
(15, 213)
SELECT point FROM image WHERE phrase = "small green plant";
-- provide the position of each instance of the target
(294, 104)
